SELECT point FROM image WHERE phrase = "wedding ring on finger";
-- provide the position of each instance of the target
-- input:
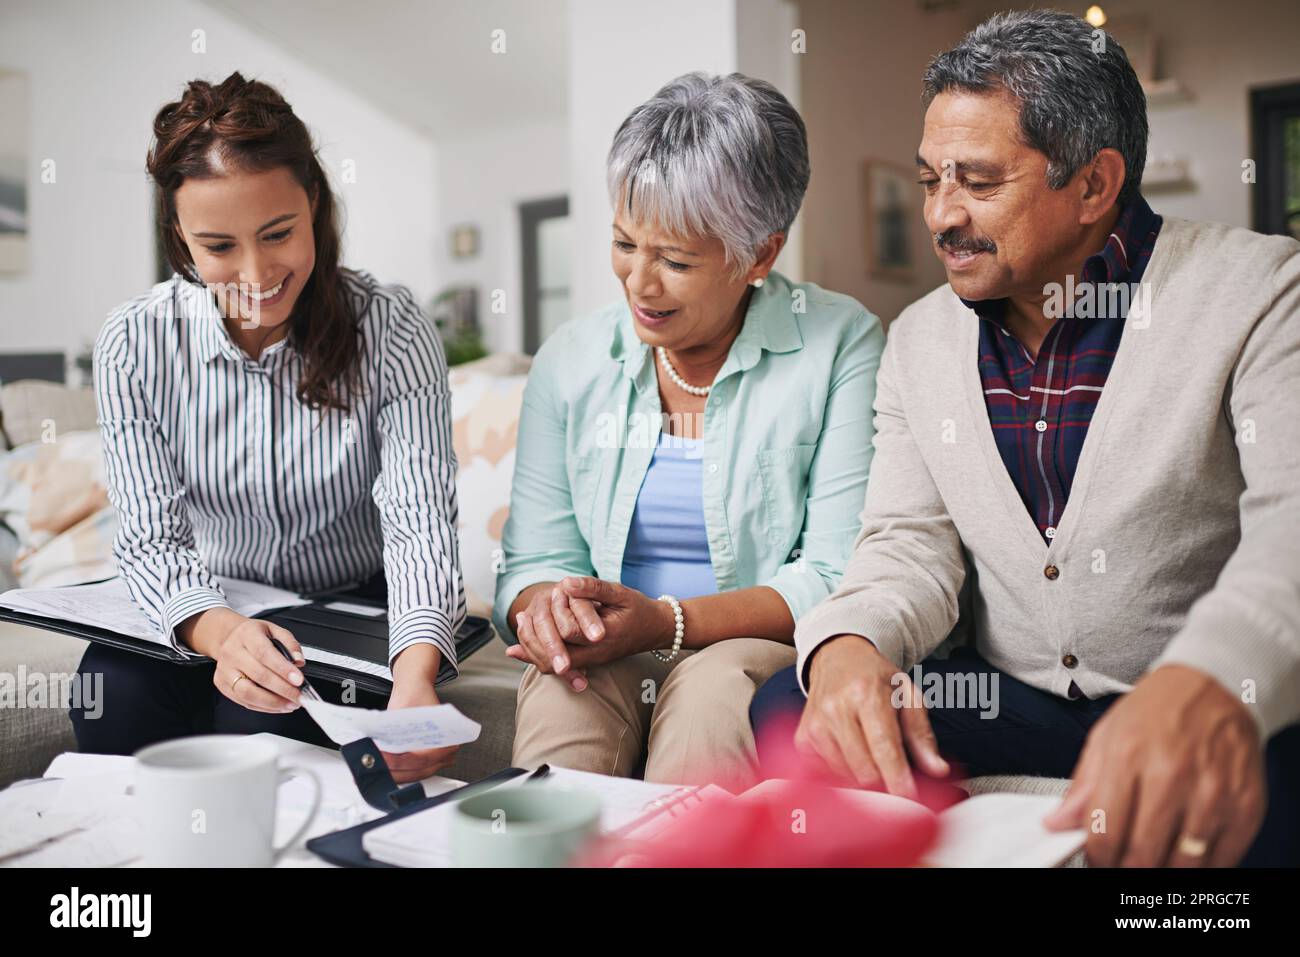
(241, 677)
(1192, 846)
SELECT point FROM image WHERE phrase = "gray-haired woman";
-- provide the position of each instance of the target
(692, 459)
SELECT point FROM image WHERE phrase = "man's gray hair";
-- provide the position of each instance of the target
(1078, 93)
(718, 156)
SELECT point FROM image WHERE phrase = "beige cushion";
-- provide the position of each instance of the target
(485, 691)
(485, 426)
(28, 405)
(499, 363)
(30, 738)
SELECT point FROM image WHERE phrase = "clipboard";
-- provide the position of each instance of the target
(315, 625)
(345, 848)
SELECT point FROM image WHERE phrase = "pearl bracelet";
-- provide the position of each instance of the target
(679, 631)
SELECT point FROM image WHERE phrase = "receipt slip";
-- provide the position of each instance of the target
(397, 731)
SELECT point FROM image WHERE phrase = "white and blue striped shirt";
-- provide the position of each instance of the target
(216, 468)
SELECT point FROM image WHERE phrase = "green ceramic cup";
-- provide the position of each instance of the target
(524, 826)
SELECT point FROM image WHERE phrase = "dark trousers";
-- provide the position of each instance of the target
(146, 700)
(1042, 734)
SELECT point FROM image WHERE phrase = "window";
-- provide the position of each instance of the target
(1275, 124)
(547, 234)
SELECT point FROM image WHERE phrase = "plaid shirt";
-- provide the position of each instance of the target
(1040, 408)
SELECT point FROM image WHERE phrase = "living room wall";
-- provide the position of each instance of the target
(861, 100)
(91, 231)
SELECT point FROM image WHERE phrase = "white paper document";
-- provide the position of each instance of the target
(397, 731)
(1002, 830)
(622, 800)
(109, 843)
(109, 604)
(366, 611)
(80, 811)
(24, 821)
(103, 605)
(252, 598)
(74, 764)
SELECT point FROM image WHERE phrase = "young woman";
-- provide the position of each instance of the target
(267, 415)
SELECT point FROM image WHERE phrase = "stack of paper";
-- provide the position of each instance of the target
(78, 815)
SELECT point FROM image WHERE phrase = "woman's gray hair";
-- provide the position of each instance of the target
(1078, 93)
(719, 156)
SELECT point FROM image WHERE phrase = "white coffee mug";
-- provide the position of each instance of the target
(209, 801)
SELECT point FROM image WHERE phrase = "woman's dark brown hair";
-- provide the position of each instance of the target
(247, 125)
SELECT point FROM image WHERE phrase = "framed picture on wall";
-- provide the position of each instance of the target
(15, 121)
(893, 215)
(464, 241)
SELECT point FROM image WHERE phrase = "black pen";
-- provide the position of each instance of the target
(305, 687)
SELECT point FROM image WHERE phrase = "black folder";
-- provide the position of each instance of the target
(315, 625)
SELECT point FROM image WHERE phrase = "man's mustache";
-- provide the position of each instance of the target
(954, 241)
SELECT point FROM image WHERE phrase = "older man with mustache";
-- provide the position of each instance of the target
(1093, 431)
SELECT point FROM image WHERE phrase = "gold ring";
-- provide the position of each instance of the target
(1192, 846)
(241, 677)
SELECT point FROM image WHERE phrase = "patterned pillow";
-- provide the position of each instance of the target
(485, 424)
(52, 496)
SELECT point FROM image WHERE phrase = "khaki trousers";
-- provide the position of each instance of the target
(689, 718)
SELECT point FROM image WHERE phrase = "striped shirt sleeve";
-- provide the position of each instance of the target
(154, 545)
(416, 489)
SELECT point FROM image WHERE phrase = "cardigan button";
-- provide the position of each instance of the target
(1069, 661)
(1052, 572)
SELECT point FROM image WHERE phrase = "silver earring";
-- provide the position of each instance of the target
(757, 283)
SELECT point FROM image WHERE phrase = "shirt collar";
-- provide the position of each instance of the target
(211, 338)
(770, 325)
(1122, 259)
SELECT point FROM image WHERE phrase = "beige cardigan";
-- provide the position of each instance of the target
(1180, 542)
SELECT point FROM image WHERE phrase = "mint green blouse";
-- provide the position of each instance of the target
(786, 447)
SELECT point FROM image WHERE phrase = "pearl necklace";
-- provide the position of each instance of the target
(677, 379)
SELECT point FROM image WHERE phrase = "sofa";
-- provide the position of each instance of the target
(486, 397)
